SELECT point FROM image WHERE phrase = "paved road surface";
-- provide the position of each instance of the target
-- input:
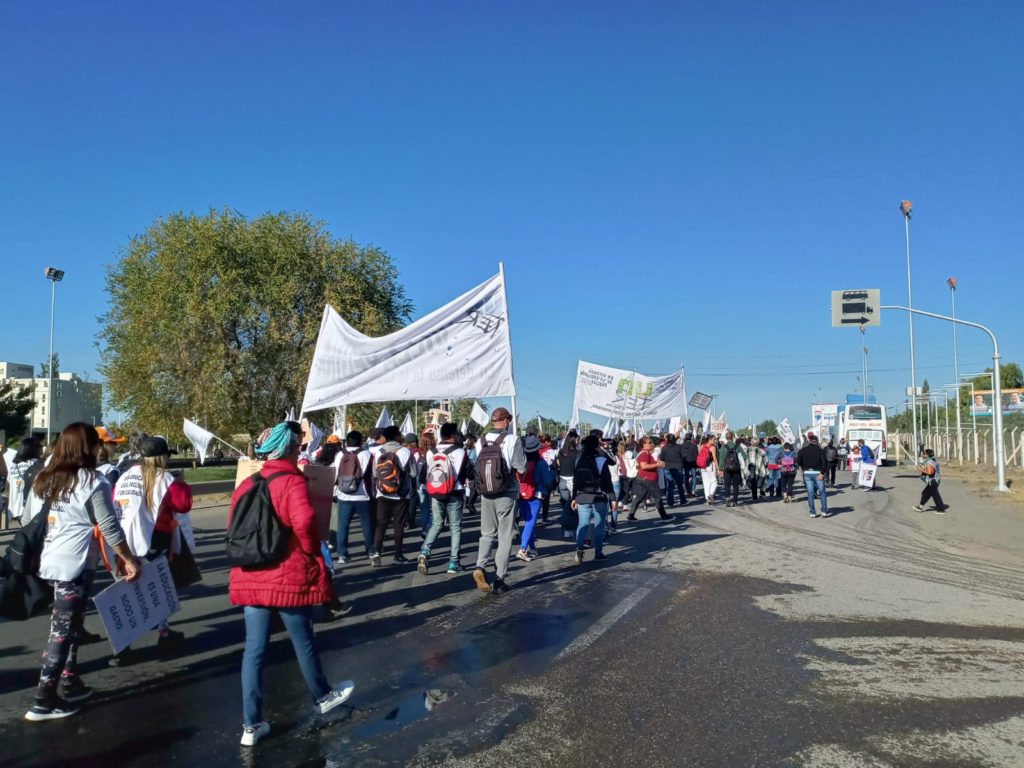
(750, 637)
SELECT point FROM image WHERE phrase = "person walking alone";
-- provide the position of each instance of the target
(931, 475)
(811, 459)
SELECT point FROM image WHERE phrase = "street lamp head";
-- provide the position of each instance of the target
(906, 208)
(52, 273)
(951, 282)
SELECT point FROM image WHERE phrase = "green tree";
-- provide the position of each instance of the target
(44, 367)
(15, 407)
(217, 315)
(768, 427)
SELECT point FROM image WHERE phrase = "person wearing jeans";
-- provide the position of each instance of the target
(450, 506)
(592, 482)
(290, 586)
(811, 459)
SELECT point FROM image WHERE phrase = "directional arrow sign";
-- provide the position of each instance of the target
(856, 308)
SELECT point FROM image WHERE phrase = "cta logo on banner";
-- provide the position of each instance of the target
(628, 394)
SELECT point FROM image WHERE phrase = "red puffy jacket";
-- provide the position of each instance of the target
(301, 578)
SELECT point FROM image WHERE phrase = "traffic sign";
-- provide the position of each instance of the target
(856, 308)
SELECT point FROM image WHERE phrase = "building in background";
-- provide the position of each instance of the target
(73, 398)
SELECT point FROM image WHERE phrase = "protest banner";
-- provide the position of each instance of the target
(700, 401)
(866, 475)
(320, 481)
(786, 431)
(461, 350)
(628, 395)
(130, 610)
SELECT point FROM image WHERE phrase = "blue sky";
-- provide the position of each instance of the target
(696, 177)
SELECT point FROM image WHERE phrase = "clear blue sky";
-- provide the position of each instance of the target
(699, 177)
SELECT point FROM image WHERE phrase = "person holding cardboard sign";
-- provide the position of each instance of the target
(75, 499)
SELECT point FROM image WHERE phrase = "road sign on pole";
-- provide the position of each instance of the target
(855, 308)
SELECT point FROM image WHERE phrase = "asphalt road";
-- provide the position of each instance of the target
(749, 637)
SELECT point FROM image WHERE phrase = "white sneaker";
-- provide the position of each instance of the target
(336, 697)
(253, 733)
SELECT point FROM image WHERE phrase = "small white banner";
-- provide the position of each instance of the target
(130, 610)
(199, 438)
(866, 476)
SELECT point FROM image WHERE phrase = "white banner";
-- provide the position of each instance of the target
(675, 424)
(824, 415)
(628, 394)
(199, 438)
(130, 610)
(463, 427)
(479, 415)
(866, 476)
(459, 350)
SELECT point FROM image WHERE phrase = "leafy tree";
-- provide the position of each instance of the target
(218, 315)
(768, 427)
(44, 367)
(15, 406)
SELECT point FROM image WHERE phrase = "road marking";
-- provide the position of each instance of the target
(605, 623)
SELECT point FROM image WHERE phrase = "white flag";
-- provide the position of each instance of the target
(459, 350)
(623, 427)
(385, 419)
(199, 438)
(707, 421)
(656, 429)
(611, 427)
(479, 415)
(462, 427)
(786, 431)
(675, 424)
(407, 425)
(290, 415)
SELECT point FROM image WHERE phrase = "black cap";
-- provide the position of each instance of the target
(152, 446)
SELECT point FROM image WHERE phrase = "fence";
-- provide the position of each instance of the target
(970, 446)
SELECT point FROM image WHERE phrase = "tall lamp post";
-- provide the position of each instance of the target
(951, 282)
(54, 275)
(906, 208)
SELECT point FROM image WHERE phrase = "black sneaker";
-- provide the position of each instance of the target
(631, 518)
(170, 644)
(74, 693)
(400, 560)
(54, 711)
(500, 587)
(600, 556)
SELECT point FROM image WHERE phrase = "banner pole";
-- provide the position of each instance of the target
(508, 336)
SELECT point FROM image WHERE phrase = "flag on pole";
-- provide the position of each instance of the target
(407, 425)
(339, 423)
(199, 438)
(290, 415)
(479, 415)
(462, 427)
(385, 419)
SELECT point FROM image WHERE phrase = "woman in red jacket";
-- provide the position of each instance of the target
(290, 587)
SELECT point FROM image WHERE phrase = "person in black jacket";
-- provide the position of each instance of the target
(811, 459)
(672, 455)
(689, 451)
(832, 457)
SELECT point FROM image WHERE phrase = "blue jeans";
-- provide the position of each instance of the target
(814, 480)
(299, 623)
(346, 510)
(775, 481)
(426, 507)
(592, 514)
(679, 481)
(450, 507)
(690, 478)
(529, 511)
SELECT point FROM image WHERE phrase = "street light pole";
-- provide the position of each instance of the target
(54, 276)
(952, 282)
(907, 209)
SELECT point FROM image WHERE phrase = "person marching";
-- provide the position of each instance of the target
(74, 499)
(730, 469)
(787, 472)
(811, 459)
(646, 483)
(352, 490)
(447, 467)
(534, 484)
(707, 463)
(592, 484)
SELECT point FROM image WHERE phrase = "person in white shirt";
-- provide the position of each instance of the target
(447, 466)
(392, 493)
(74, 499)
(26, 464)
(497, 512)
(352, 492)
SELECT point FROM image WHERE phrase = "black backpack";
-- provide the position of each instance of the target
(256, 536)
(349, 475)
(587, 476)
(493, 474)
(22, 593)
(732, 460)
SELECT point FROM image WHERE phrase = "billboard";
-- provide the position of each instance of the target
(1012, 401)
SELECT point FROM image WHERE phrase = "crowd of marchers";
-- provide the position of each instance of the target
(89, 501)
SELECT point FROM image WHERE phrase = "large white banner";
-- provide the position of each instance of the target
(628, 394)
(460, 350)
